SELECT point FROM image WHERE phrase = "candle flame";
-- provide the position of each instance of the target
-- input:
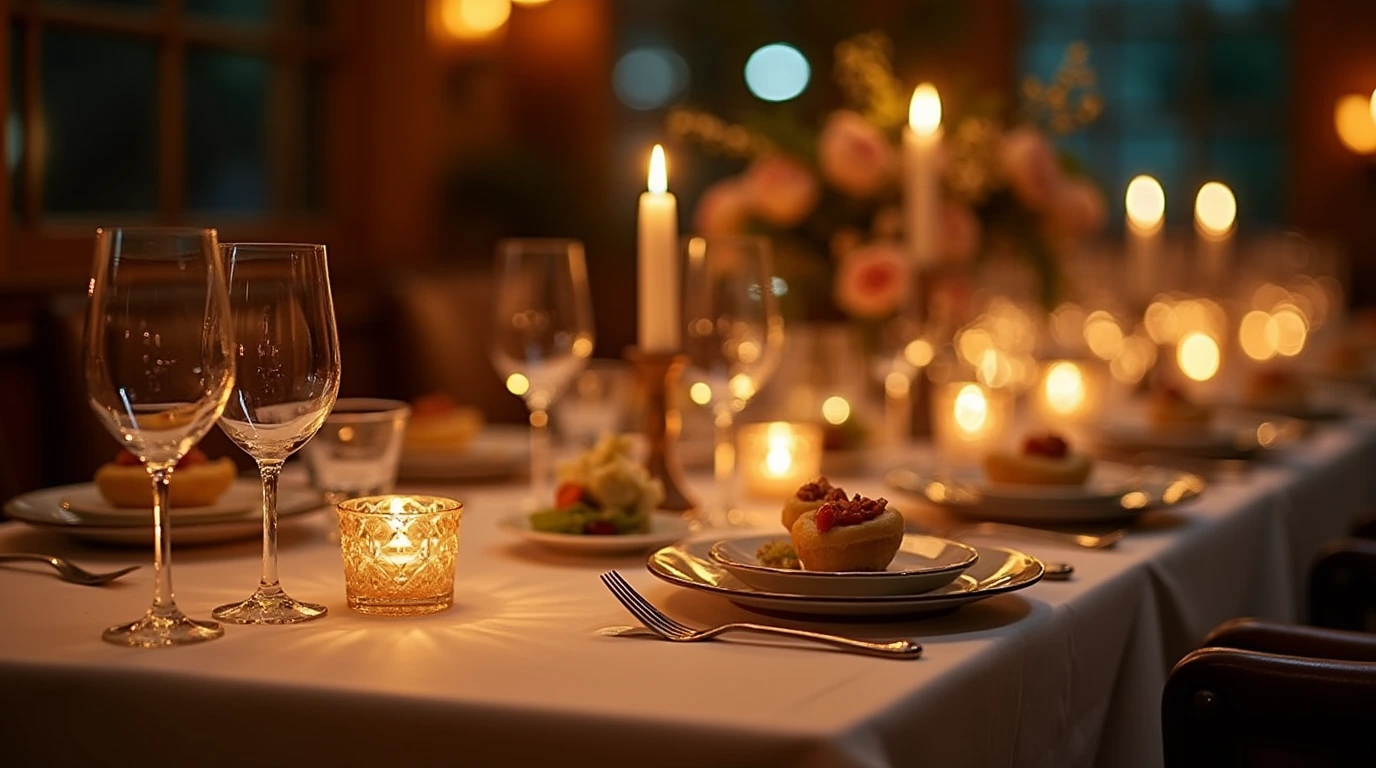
(1198, 356)
(971, 409)
(659, 174)
(1146, 203)
(1215, 209)
(779, 458)
(924, 110)
(1064, 388)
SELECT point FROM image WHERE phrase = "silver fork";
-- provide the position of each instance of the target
(67, 570)
(669, 629)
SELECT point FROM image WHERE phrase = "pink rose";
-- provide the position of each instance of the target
(780, 189)
(872, 280)
(1078, 209)
(723, 209)
(960, 233)
(1029, 166)
(854, 155)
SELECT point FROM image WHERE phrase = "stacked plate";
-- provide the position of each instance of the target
(80, 510)
(1231, 435)
(1112, 494)
(929, 575)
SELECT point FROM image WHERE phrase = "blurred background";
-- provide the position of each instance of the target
(410, 135)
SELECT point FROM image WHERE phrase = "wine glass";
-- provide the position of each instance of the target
(543, 334)
(733, 336)
(158, 373)
(287, 358)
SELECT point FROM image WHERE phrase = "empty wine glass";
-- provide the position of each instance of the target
(158, 373)
(733, 336)
(543, 334)
(287, 358)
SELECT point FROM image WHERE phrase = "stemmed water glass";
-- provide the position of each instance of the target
(287, 358)
(158, 373)
(733, 335)
(543, 333)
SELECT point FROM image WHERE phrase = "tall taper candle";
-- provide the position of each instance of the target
(1215, 214)
(1145, 203)
(658, 261)
(921, 174)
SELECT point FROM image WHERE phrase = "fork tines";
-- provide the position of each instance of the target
(641, 608)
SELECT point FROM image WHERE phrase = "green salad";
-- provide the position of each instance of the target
(601, 493)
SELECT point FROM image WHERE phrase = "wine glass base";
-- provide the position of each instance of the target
(155, 631)
(263, 608)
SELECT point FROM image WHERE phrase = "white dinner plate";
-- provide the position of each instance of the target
(998, 571)
(922, 564)
(1114, 493)
(665, 528)
(45, 509)
(498, 452)
(86, 502)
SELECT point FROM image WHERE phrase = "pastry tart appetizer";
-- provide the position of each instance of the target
(196, 482)
(1044, 460)
(808, 498)
(859, 534)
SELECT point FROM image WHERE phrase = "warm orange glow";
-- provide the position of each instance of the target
(1064, 388)
(473, 19)
(1354, 117)
(530, 3)
(1162, 324)
(1292, 330)
(924, 110)
(658, 181)
(1102, 334)
(1215, 209)
(1198, 356)
(1258, 335)
(971, 410)
(1146, 204)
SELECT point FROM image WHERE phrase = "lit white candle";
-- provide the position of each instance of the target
(658, 261)
(1215, 213)
(921, 174)
(1146, 208)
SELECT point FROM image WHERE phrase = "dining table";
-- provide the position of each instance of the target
(519, 670)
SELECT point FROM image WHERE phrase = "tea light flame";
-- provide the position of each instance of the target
(971, 409)
(779, 458)
(924, 110)
(1065, 388)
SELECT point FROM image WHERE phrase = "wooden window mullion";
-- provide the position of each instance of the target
(34, 143)
(284, 114)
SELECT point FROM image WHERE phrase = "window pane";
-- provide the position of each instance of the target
(14, 121)
(315, 138)
(253, 11)
(316, 13)
(100, 114)
(226, 131)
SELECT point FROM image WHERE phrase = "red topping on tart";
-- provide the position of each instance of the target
(1050, 445)
(853, 512)
(434, 404)
(192, 458)
(820, 489)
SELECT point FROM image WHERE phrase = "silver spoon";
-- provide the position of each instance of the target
(67, 570)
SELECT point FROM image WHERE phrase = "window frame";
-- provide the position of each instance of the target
(41, 248)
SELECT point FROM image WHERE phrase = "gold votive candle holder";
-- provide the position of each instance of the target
(776, 457)
(969, 420)
(399, 553)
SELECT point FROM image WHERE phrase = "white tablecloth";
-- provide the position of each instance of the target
(1061, 674)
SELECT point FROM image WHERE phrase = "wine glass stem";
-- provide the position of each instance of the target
(724, 459)
(270, 470)
(164, 604)
(539, 455)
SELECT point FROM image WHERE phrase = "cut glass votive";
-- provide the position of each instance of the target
(399, 553)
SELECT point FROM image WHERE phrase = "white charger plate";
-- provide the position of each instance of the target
(498, 452)
(922, 564)
(86, 501)
(998, 571)
(1114, 493)
(665, 528)
(45, 509)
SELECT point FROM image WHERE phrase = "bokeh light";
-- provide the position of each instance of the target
(473, 19)
(836, 410)
(1291, 330)
(1356, 124)
(971, 408)
(919, 353)
(1198, 356)
(924, 110)
(1258, 335)
(700, 393)
(517, 384)
(1102, 334)
(1064, 388)
(1215, 209)
(777, 72)
(649, 78)
(1146, 203)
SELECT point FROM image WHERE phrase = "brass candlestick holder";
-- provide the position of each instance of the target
(658, 374)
